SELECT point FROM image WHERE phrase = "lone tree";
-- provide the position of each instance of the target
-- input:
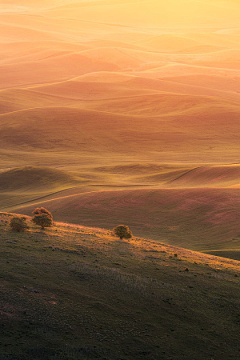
(122, 231)
(18, 224)
(42, 217)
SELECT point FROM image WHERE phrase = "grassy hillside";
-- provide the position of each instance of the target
(120, 111)
(195, 207)
(72, 292)
(204, 219)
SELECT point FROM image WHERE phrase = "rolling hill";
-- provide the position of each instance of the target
(137, 123)
(197, 219)
(189, 206)
(99, 108)
(151, 125)
(120, 111)
(72, 291)
(29, 178)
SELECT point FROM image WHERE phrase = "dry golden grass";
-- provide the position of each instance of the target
(198, 219)
(74, 291)
(121, 112)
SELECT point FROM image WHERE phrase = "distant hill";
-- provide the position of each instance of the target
(30, 178)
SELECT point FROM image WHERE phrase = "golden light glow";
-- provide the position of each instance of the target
(171, 66)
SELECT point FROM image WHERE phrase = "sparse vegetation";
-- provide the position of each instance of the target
(123, 232)
(42, 217)
(79, 294)
(18, 224)
(120, 112)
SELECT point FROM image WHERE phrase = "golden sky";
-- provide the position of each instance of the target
(150, 13)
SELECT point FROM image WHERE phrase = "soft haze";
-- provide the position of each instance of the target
(128, 103)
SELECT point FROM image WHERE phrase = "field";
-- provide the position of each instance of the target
(74, 292)
(108, 119)
(120, 112)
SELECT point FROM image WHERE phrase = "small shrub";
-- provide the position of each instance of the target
(18, 224)
(122, 231)
(42, 217)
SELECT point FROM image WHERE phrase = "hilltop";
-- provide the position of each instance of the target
(75, 292)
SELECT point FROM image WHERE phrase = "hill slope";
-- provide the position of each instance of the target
(199, 219)
(77, 292)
